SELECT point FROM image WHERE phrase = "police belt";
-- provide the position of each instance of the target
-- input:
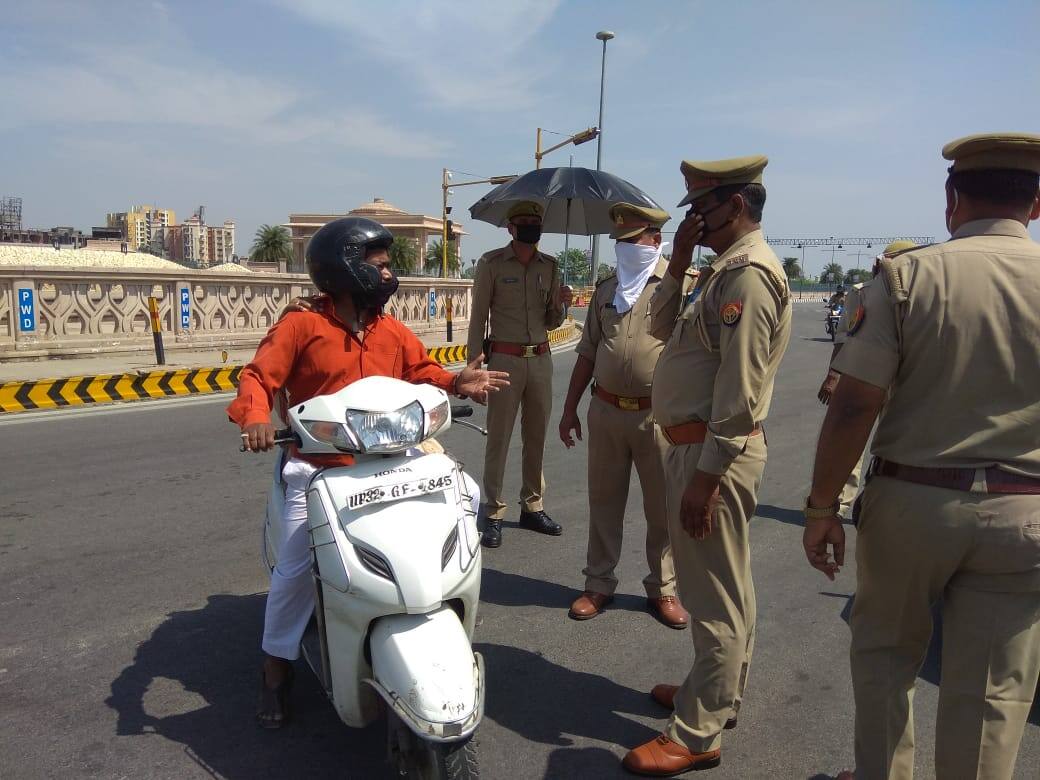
(520, 350)
(996, 479)
(693, 432)
(628, 403)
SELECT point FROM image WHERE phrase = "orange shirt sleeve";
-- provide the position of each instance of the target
(418, 367)
(267, 373)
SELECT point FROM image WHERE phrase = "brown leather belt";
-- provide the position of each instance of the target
(628, 403)
(693, 432)
(520, 350)
(997, 480)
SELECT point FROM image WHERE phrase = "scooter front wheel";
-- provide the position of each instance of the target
(420, 759)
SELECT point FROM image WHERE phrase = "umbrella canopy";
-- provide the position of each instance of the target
(576, 200)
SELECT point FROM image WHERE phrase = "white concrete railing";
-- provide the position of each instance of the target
(53, 312)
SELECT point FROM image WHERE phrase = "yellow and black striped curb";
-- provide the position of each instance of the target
(448, 355)
(107, 388)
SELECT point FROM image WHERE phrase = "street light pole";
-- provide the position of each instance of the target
(602, 35)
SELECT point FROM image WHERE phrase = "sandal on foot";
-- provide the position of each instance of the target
(274, 702)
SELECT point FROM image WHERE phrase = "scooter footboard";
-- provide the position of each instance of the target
(427, 672)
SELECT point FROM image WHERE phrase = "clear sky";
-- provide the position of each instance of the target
(258, 109)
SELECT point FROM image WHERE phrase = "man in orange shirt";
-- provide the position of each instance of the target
(309, 353)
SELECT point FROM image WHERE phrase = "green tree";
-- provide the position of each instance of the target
(272, 244)
(704, 260)
(857, 275)
(574, 266)
(404, 255)
(435, 260)
(832, 274)
(470, 272)
(792, 268)
(603, 271)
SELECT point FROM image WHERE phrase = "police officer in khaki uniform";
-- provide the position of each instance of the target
(849, 317)
(948, 343)
(518, 288)
(711, 393)
(618, 352)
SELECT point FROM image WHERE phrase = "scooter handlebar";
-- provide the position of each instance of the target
(282, 437)
(461, 411)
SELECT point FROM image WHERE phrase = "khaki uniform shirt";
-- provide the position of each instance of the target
(522, 302)
(852, 302)
(952, 332)
(625, 347)
(721, 360)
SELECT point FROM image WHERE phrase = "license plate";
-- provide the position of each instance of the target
(416, 487)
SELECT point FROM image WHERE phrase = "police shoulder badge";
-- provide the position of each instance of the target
(731, 312)
(857, 319)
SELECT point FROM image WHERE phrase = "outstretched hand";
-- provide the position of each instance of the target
(475, 383)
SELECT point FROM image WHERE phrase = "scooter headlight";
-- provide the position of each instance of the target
(377, 432)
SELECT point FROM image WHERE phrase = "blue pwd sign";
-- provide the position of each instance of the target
(185, 308)
(433, 304)
(26, 309)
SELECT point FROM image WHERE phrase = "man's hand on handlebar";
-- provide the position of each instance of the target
(258, 437)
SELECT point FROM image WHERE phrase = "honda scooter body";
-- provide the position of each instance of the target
(396, 560)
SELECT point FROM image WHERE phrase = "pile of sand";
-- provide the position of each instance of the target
(229, 268)
(82, 258)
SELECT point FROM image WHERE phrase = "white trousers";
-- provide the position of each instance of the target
(290, 601)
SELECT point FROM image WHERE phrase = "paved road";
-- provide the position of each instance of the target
(131, 601)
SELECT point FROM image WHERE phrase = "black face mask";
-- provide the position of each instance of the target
(703, 215)
(528, 234)
(366, 285)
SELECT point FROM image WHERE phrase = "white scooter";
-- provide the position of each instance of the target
(396, 571)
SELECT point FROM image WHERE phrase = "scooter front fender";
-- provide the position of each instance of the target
(426, 670)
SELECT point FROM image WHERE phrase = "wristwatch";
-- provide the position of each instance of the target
(816, 513)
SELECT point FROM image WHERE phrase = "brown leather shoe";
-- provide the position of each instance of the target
(588, 605)
(660, 757)
(664, 695)
(669, 611)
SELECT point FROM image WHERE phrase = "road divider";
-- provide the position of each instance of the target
(147, 385)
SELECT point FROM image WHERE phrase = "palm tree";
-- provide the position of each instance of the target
(404, 255)
(832, 274)
(435, 258)
(271, 245)
(792, 268)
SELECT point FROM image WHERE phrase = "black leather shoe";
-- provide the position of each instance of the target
(540, 522)
(492, 534)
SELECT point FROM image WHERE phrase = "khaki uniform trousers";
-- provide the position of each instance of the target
(617, 439)
(530, 391)
(715, 585)
(979, 554)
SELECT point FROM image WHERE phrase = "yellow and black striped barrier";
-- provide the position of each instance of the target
(109, 388)
(448, 355)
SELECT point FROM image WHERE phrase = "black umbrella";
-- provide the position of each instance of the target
(576, 200)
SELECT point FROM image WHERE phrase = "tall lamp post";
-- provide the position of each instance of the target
(448, 229)
(602, 35)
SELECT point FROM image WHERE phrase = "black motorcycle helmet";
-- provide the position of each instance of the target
(336, 253)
